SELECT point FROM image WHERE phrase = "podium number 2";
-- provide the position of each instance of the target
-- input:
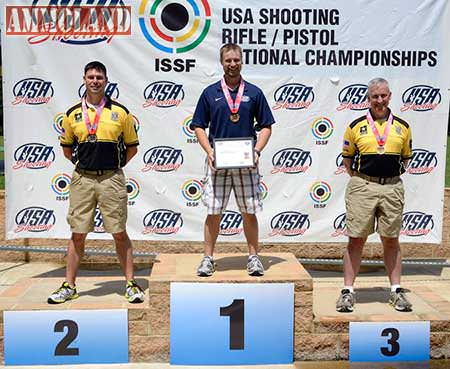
(236, 313)
(393, 335)
(62, 348)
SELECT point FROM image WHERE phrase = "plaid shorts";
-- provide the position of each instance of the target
(245, 183)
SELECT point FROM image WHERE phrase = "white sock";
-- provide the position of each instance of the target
(394, 287)
(350, 288)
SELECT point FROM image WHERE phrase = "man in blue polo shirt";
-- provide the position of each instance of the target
(229, 109)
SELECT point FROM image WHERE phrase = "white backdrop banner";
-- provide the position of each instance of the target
(312, 59)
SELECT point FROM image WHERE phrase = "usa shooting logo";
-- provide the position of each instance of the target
(289, 223)
(188, 131)
(421, 98)
(163, 94)
(293, 96)
(353, 97)
(61, 186)
(77, 22)
(320, 193)
(162, 222)
(231, 223)
(422, 162)
(175, 27)
(322, 129)
(340, 167)
(34, 219)
(340, 225)
(291, 160)
(33, 156)
(162, 159)
(98, 222)
(111, 90)
(133, 190)
(191, 190)
(416, 223)
(32, 91)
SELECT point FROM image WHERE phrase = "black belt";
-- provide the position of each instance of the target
(99, 172)
(379, 180)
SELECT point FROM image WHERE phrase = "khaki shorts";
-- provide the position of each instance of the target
(367, 202)
(107, 191)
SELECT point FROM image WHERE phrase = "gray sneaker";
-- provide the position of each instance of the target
(254, 266)
(345, 302)
(399, 301)
(206, 267)
(63, 294)
(133, 293)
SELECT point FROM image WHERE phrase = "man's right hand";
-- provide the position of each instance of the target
(211, 160)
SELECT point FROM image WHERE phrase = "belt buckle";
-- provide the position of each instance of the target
(382, 180)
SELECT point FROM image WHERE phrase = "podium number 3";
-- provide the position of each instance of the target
(236, 313)
(393, 335)
(62, 348)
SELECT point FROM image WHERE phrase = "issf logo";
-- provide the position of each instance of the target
(137, 123)
(162, 159)
(340, 226)
(421, 98)
(293, 96)
(231, 223)
(322, 129)
(57, 123)
(34, 219)
(263, 190)
(162, 222)
(340, 167)
(163, 94)
(191, 190)
(422, 162)
(320, 193)
(61, 186)
(111, 90)
(290, 224)
(291, 160)
(133, 190)
(416, 223)
(32, 91)
(98, 222)
(353, 97)
(33, 156)
(175, 27)
(188, 130)
(77, 22)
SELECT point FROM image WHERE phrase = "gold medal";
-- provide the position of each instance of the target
(380, 150)
(234, 117)
(92, 138)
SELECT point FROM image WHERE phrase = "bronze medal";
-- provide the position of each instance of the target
(92, 138)
(234, 117)
(380, 150)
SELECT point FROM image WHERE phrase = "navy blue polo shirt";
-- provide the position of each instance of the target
(212, 111)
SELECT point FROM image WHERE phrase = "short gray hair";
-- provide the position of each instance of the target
(377, 81)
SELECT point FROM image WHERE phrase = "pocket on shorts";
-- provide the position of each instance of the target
(355, 185)
(76, 179)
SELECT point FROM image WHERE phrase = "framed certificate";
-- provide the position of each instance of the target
(232, 153)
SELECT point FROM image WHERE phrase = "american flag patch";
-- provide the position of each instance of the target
(346, 144)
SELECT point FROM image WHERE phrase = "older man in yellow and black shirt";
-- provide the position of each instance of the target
(99, 137)
(376, 151)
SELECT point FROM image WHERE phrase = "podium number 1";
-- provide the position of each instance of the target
(236, 313)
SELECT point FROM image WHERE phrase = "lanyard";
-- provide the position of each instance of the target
(381, 140)
(234, 106)
(92, 128)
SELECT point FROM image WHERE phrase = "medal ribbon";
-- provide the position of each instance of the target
(381, 140)
(92, 128)
(234, 106)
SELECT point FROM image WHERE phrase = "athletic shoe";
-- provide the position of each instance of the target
(206, 267)
(346, 301)
(254, 266)
(399, 301)
(134, 293)
(63, 294)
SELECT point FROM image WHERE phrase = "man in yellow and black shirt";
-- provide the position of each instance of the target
(99, 137)
(376, 151)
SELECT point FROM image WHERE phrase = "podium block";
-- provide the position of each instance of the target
(230, 269)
